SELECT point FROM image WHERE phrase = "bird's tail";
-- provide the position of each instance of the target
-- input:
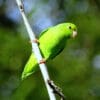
(30, 66)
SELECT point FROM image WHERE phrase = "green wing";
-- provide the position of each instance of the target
(44, 31)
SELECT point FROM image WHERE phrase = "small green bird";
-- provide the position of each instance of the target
(51, 42)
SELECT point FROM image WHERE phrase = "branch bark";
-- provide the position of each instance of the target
(36, 51)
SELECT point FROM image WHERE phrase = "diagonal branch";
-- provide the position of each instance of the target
(36, 50)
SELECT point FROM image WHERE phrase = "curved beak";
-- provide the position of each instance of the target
(74, 34)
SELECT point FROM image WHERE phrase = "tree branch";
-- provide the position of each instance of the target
(36, 50)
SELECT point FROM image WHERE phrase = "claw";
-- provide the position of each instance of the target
(35, 40)
(42, 61)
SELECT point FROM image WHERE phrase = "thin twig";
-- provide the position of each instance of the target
(36, 50)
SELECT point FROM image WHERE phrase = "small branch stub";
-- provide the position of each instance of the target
(21, 7)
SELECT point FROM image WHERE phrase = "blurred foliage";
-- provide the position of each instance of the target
(76, 70)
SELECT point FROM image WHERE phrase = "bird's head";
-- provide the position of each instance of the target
(71, 30)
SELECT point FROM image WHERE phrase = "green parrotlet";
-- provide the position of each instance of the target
(51, 42)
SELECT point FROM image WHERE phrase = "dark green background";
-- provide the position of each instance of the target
(76, 70)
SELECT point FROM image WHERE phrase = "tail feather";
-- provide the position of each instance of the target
(30, 66)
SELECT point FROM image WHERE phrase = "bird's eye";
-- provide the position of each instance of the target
(69, 27)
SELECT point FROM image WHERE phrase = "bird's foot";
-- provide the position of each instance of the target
(35, 41)
(42, 61)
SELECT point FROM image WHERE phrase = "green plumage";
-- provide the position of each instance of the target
(51, 42)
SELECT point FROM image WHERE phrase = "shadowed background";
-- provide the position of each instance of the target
(76, 70)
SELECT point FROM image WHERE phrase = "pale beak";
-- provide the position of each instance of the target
(74, 34)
